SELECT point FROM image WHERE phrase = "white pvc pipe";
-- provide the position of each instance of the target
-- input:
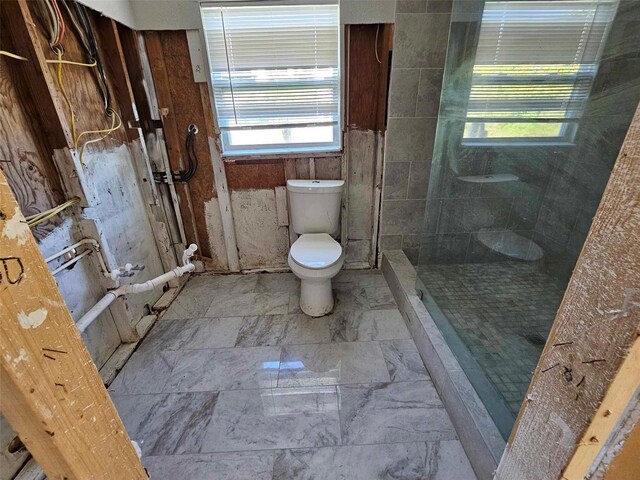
(72, 261)
(90, 241)
(108, 299)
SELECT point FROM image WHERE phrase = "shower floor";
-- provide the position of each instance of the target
(502, 312)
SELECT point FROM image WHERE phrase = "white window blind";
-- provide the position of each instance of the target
(276, 76)
(534, 67)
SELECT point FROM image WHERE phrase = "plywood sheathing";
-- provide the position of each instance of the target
(52, 393)
(243, 176)
(368, 77)
(368, 55)
(24, 156)
(18, 22)
(183, 102)
(597, 322)
(173, 136)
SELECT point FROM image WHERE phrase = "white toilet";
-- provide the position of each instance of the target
(315, 257)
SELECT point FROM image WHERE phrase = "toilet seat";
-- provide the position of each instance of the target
(316, 251)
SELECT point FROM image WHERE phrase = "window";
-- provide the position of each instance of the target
(534, 67)
(275, 71)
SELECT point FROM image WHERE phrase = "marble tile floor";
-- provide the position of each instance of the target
(233, 382)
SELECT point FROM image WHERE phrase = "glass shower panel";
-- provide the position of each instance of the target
(537, 97)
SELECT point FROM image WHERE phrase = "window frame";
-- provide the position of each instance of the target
(277, 150)
(569, 127)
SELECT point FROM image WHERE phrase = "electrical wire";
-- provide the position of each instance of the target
(38, 218)
(69, 62)
(106, 132)
(12, 55)
(189, 145)
(64, 94)
(376, 46)
(81, 23)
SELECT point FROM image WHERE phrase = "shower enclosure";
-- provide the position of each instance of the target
(537, 97)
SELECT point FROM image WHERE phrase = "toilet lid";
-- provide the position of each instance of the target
(315, 250)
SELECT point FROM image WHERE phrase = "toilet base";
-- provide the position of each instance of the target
(316, 297)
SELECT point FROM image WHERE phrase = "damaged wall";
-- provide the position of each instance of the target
(250, 183)
(38, 158)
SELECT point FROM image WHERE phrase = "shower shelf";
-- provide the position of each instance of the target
(497, 178)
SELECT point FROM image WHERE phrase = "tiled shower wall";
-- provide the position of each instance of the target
(419, 51)
(577, 184)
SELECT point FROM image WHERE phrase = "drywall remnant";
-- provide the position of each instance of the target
(33, 319)
(261, 242)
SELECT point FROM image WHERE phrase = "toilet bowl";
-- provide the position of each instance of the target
(315, 258)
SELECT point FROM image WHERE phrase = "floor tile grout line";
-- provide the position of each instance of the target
(361, 385)
(276, 449)
(272, 450)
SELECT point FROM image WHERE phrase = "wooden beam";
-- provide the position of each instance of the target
(595, 327)
(619, 394)
(385, 47)
(52, 393)
(171, 136)
(111, 52)
(53, 112)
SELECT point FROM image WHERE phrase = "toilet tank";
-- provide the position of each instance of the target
(314, 205)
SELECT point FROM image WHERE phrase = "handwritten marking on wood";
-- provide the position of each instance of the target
(55, 401)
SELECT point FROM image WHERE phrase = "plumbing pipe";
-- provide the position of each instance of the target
(108, 299)
(72, 261)
(90, 241)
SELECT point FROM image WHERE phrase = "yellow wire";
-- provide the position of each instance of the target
(106, 132)
(75, 136)
(64, 94)
(38, 218)
(69, 62)
(12, 55)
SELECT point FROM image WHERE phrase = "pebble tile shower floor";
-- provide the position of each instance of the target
(234, 382)
(502, 312)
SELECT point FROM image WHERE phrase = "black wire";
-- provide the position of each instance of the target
(82, 24)
(190, 147)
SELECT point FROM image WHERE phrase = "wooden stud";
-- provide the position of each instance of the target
(52, 393)
(51, 108)
(618, 396)
(224, 201)
(377, 199)
(626, 461)
(290, 174)
(595, 327)
(170, 128)
(111, 49)
(385, 45)
(281, 206)
(312, 168)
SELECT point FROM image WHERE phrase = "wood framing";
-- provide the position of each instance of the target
(596, 325)
(36, 72)
(171, 135)
(614, 404)
(52, 393)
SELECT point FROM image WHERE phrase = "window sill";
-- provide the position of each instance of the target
(271, 157)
